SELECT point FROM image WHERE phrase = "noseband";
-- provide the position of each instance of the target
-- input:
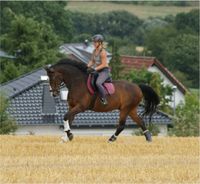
(62, 84)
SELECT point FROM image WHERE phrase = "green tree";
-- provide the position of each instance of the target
(186, 122)
(188, 21)
(115, 63)
(182, 53)
(10, 72)
(82, 37)
(52, 13)
(7, 125)
(84, 23)
(119, 23)
(156, 39)
(176, 46)
(34, 44)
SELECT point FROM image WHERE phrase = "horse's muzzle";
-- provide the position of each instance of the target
(55, 93)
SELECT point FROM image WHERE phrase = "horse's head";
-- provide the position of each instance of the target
(55, 80)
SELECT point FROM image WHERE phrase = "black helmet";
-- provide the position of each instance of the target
(98, 38)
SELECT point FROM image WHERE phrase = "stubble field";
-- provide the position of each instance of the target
(42, 159)
(141, 11)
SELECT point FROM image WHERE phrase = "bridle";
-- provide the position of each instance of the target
(62, 84)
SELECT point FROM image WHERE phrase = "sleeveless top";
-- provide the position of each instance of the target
(97, 58)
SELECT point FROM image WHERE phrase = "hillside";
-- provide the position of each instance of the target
(142, 12)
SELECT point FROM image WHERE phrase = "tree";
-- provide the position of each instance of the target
(10, 72)
(188, 21)
(115, 63)
(176, 46)
(186, 122)
(52, 13)
(7, 125)
(81, 38)
(35, 44)
(182, 53)
(156, 39)
(119, 23)
(84, 23)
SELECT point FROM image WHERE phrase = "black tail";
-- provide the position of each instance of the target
(151, 100)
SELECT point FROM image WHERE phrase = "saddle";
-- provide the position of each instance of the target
(91, 84)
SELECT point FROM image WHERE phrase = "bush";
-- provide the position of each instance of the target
(7, 125)
(186, 122)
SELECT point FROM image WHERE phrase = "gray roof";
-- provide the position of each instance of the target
(16, 86)
(81, 51)
(31, 104)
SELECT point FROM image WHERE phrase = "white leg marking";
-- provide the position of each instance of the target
(64, 138)
(66, 125)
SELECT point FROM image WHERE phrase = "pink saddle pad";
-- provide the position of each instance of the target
(109, 87)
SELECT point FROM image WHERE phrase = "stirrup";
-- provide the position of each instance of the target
(103, 101)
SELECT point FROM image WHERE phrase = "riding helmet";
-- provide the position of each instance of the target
(98, 38)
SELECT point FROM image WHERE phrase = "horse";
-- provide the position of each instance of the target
(126, 98)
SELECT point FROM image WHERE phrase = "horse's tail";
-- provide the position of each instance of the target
(151, 100)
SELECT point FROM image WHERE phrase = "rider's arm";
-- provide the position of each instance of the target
(91, 62)
(103, 61)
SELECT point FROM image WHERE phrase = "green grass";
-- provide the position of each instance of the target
(142, 11)
(195, 91)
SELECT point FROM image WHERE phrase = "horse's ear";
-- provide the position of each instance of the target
(48, 69)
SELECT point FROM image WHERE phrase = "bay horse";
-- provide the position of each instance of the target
(126, 98)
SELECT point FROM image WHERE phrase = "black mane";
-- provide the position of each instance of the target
(80, 65)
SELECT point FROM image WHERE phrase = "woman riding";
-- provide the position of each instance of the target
(99, 63)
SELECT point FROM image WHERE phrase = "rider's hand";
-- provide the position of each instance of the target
(90, 70)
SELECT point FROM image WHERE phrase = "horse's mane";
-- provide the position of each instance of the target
(80, 65)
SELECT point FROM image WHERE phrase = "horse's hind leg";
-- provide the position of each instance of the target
(133, 114)
(120, 128)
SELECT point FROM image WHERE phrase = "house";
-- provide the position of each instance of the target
(153, 65)
(83, 52)
(37, 112)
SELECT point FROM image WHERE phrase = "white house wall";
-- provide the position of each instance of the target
(179, 96)
(55, 130)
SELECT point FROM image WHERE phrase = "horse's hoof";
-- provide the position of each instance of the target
(112, 139)
(64, 138)
(70, 137)
(149, 140)
(148, 136)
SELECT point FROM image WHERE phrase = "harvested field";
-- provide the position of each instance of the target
(142, 11)
(42, 159)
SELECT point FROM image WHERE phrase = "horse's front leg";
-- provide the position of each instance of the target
(68, 119)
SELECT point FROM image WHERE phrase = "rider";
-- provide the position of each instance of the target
(100, 64)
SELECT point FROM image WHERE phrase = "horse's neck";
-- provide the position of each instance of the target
(73, 78)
